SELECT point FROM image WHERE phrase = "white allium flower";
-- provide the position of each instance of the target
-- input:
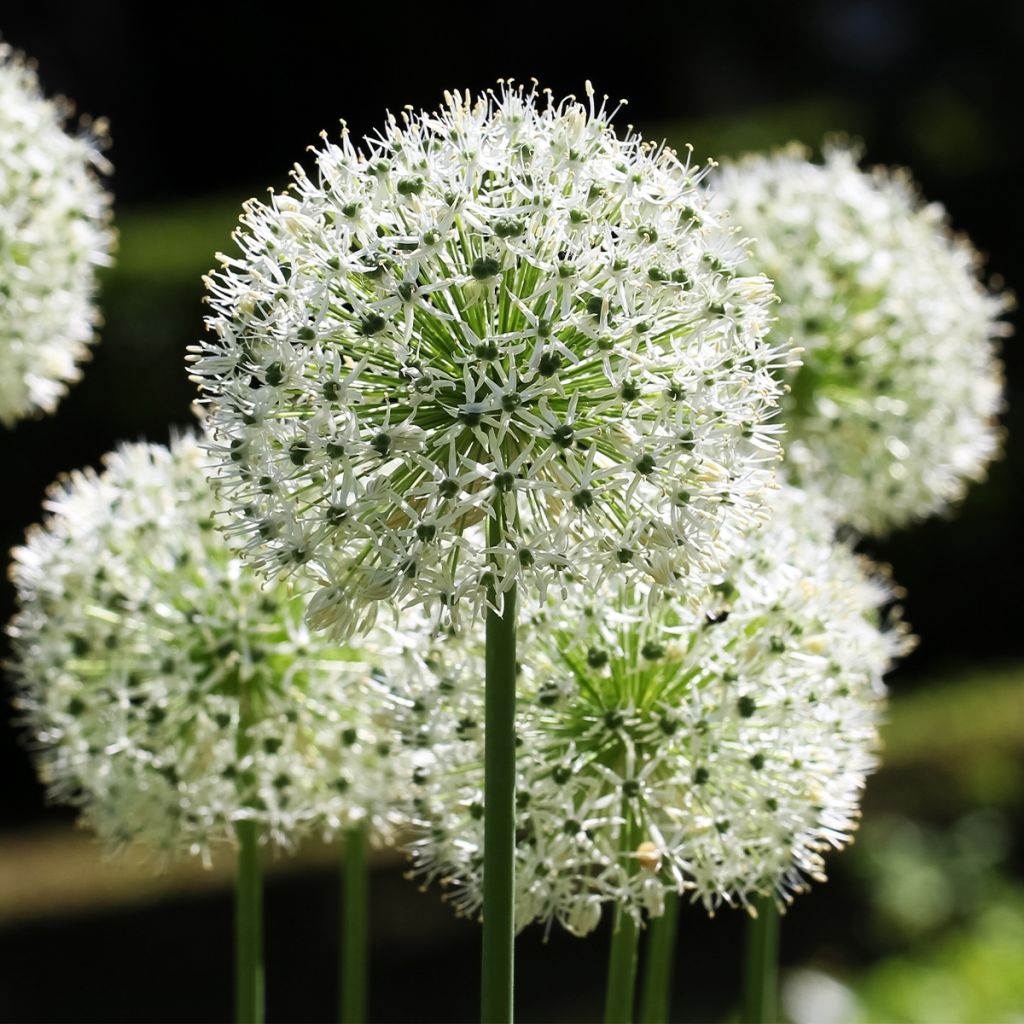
(168, 693)
(54, 233)
(498, 309)
(720, 752)
(893, 412)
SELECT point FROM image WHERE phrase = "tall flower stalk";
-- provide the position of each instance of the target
(354, 965)
(620, 995)
(761, 965)
(659, 958)
(497, 347)
(249, 971)
(497, 967)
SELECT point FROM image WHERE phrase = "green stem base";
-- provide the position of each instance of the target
(656, 999)
(499, 813)
(248, 927)
(355, 918)
(620, 994)
(761, 980)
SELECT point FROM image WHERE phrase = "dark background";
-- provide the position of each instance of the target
(208, 110)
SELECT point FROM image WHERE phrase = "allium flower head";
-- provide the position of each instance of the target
(497, 309)
(54, 233)
(893, 411)
(719, 752)
(169, 694)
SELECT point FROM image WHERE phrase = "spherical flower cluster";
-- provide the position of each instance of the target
(720, 752)
(893, 411)
(54, 233)
(169, 694)
(502, 313)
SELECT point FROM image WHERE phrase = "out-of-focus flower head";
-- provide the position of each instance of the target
(719, 752)
(502, 311)
(168, 693)
(54, 232)
(893, 411)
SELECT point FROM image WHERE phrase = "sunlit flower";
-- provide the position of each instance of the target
(54, 233)
(893, 412)
(498, 310)
(167, 693)
(719, 752)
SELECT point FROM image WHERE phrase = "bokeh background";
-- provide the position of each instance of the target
(924, 918)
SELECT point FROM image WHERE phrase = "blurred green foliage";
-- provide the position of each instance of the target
(974, 975)
(953, 744)
(966, 716)
(809, 122)
(152, 303)
(948, 919)
(165, 245)
(921, 879)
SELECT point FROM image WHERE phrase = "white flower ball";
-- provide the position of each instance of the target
(893, 412)
(168, 692)
(498, 342)
(54, 233)
(719, 752)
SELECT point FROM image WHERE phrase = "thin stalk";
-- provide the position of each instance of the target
(249, 1006)
(499, 804)
(355, 917)
(655, 1001)
(761, 979)
(248, 926)
(620, 994)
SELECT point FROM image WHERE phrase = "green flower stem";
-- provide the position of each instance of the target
(499, 805)
(761, 980)
(655, 1001)
(620, 994)
(355, 914)
(618, 1003)
(248, 927)
(249, 1008)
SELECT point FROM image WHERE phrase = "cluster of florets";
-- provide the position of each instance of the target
(498, 311)
(54, 233)
(169, 694)
(893, 410)
(720, 752)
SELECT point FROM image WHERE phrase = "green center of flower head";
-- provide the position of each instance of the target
(199, 623)
(501, 304)
(626, 671)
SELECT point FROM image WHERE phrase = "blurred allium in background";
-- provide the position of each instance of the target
(54, 232)
(500, 308)
(893, 411)
(719, 751)
(169, 693)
